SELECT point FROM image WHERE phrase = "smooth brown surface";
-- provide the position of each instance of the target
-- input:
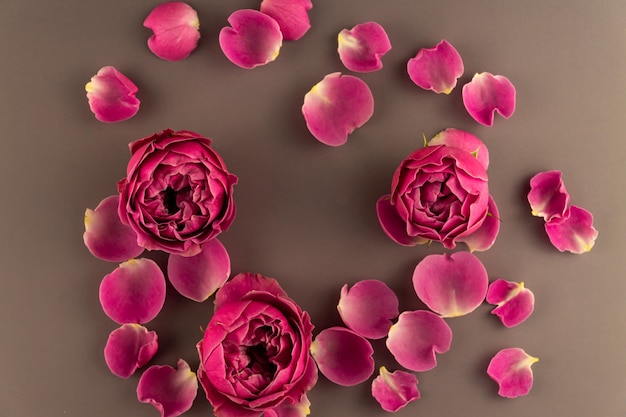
(306, 211)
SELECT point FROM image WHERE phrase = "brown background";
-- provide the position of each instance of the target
(306, 211)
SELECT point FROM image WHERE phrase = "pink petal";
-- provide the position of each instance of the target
(514, 302)
(451, 284)
(336, 106)
(437, 68)
(128, 348)
(485, 236)
(134, 292)
(175, 28)
(286, 409)
(574, 232)
(253, 38)
(458, 138)
(368, 308)
(291, 15)
(243, 283)
(106, 236)
(394, 390)
(198, 277)
(415, 338)
(548, 197)
(111, 96)
(393, 226)
(343, 356)
(171, 391)
(510, 368)
(486, 94)
(362, 47)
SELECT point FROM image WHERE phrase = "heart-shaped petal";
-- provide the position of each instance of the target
(111, 96)
(291, 15)
(361, 48)
(548, 197)
(175, 28)
(574, 232)
(171, 391)
(128, 348)
(437, 68)
(510, 368)
(394, 390)
(487, 94)
(515, 303)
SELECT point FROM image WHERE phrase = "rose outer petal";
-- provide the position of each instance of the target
(548, 197)
(487, 94)
(111, 96)
(437, 68)
(128, 348)
(393, 226)
(362, 47)
(175, 28)
(574, 232)
(515, 303)
(394, 390)
(510, 368)
(485, 236)
(458, 138)
(291, 15)
(171, 391)
(243, 283)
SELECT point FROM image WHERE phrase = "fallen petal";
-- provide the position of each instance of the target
(510, 368)
(128, 348)
(291, 15)
(485, 236)
(361, 48)
(111, 96)
(574, 232)
(175, 28)
(515, 303)
(286, 409)
(548, 197)
(394, 390)
(171, 391)
(486, 94)
(458, 138)
(437, 68)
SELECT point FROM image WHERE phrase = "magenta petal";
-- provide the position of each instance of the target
(510, 368)
(243, 283)
(362, 47)
(128, 348)
(548, 197)
(393, 226)
(486, 94)
(291, 15)
(437, 68)
(394, 390)
(451, 284)
(171, 391)
(111, 96)
(175, 28)
(461, 139)
(485, 236)
(252, 39)
(515, 303)
(134, 292)
(416, 337)
(368, 308)
(336, 106)
(343, 356)
(574, 232)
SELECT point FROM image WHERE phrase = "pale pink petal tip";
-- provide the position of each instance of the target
(343, 356)
(252, 39)
(548, 197)
(175, 28)
(368, 308)
(510, 368)
(485, 236)
(416, 337)
(134, 292)
(451, 284)
(574, 232)
(111, 96)
(128, 348)
(487, 94)
(361, 48)
(171, 391)
(291, 15)
(461, 139)
(437, 68)
(106, 237)
(514, 302)
(336, 106)
(394, 390)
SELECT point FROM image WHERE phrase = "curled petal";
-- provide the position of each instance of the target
(574, 232)
(362, 47)
(111, 96)
(343, 356)
(393, 226)
(286, 409)
(548, 197)
(336, 106)
(485, 236)
(510, 368)
(291, 15)
(486, 94)
(128, 348)
(394, 390)
(458, 138)
(515, 303)
(171, 391)
(244, 283)
(175, 28)
(437, 68)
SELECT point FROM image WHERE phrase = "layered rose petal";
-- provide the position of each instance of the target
(487, 94)
(171, 391)
(343, 356)
(417, 337)
(574, 232)
(461, 139)
(510, 368)
(394, 390)
(175, 28)
(485, 236)
(111, 96)
(242, 284)
(291, 15)
(336, 106)
(368, 308)
(548, 197)
(436, 68)
(134, 292)
(514, 302)
(361, 48)
(252, 39)
(128, 348)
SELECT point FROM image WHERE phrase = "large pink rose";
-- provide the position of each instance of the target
(177, 193)
(255, 355)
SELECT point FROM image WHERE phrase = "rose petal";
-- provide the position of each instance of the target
(451, 284)
(415, 338)
(394, 390)
(175, 28)
(393, 226)
(548, 197)
(291, 15)
(134, 292)
(485, 236)
(243, 283)
(343, 356)
(510, 368)
(437, 68)
(111, 96)
(286, 409)
(336, 106)
(574, 232)
(486, 94)
(362, 47)
(458, 138)
(171, 391)
(128, 348)
(253, 38)
(368, 308)
(514, 302)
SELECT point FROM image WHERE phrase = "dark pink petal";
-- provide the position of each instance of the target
(416, 337)
(515, 303)
(362, 47)
(368, 308)
(175, 28)
(128, 348)
(336, 106)
(458, 138)
(134, 292)
(111, 96)
(451, 284)
(171, 391)
(253, 38)
(510, 368)
(574, 232)
(548, 197)
(485, 236)
(343, 356)
(286, 409)
(393, 225)
(394, 390)
(244, 283)
(437, 68)
(291, 15)
(486, 94)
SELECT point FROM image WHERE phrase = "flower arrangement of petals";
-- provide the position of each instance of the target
(361, 48)
(112, 95)
(437, 68)
(175, 28)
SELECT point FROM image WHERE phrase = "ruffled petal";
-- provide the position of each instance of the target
(393, 226)
(548, 197)
(243, 283)
(510, 368)
(175, 28)
(128, 348)
(574, 232)
(361, 48)
(461, 139)
(171, 391)
(291, 15)
(485, 236)
(111, 96)
(394, 390)
(514, 302)
(437, 68)
(487, 94)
